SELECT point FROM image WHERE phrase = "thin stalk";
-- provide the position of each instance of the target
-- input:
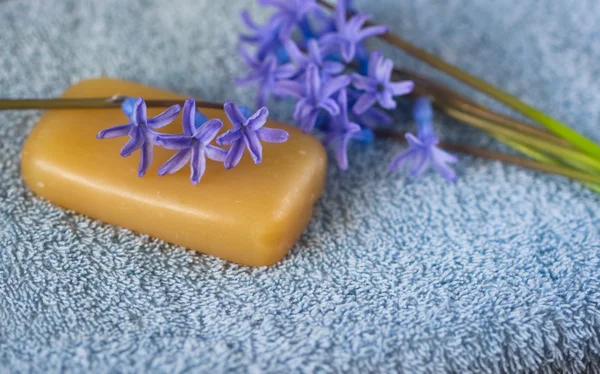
(439, 92)
(545, 159)
(552, 124)
(503, 157)
(89, 103)
(562, 152)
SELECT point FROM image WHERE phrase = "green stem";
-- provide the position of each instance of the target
(543, 158)
(566, 154)
(547, 121)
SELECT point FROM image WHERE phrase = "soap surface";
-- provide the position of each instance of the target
(251, 214)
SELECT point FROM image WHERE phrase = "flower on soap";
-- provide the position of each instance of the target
(422, 149)
(314, 96)
(377, 86)
(193, 145)
(248, 133)
(140, 131)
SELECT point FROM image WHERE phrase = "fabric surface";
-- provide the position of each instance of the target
(496, 273)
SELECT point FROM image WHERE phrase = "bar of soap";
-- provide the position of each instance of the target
(251, 215)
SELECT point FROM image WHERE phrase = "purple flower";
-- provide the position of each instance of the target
(349, 33)
(247, 133)
(422, 150)
(266, 38)
(314, 56)
(340, 131)
(291, 13)
(140, 132)
(193, 145)
(314, 96)
(372, 117)
(377, 86)
(266, 74)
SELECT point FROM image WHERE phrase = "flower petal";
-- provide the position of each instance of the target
(334, 85)
(363, 83)
(208, 131)
(295, 54)
(271, 135)
(215, 153)
(404, 158)
(229, 137)
(146, 154)
(114, 132)
(364, 102)
(234, 155)
(307, 123)
(368, 32)
(248, 21)
(348, 50)
(169, 141)
(314, 51)
(313, 81)
(420, 164)
(188, 117)
(333, 67)
(341, 153)
(446, 171)
(197, 164)
(285, 71)
(135, 143)
(175, 163)
(386, 100)
(374, 60)
(164, 118)
(291, 88)
(258, 119)
(401, 88)
(254, 146)
(139, 112)
(330, 106)
(233, 113)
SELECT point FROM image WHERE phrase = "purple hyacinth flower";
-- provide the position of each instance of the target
(422, 150)
(247, 133)
(314, 96)
(340, 131)
(140, 131)
(193, 145)
(266, 74)
(314, 56)
(372, 117)
(265, 38)
(349, 32)
(377, 86)
(291, 13)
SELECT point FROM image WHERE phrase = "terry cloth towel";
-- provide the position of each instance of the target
(496, 273)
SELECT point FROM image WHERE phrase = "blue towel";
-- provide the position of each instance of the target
(496, 273)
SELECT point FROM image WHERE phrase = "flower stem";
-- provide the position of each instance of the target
(503, 157)
(89, 103)
(442, 94)
(547, 121)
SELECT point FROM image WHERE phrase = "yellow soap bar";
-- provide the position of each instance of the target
(251, 214)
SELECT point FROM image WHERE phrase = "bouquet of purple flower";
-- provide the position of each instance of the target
(342, 92)
(304, 54)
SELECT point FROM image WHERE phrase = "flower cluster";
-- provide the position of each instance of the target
(303, 53)
(193, 146)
